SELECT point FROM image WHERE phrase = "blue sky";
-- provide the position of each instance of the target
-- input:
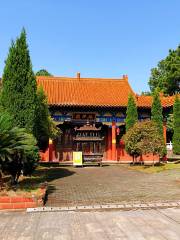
(99, 38)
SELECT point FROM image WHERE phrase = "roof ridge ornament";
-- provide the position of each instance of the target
(78, 75)
(125, 77)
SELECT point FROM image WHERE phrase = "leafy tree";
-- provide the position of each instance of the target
(18, 151)
(166, 76)
(144, 138)
(19, 84)
(43, 72)
(147, 93)
(54, 130)
(131, 113)
(156, 112)
(176, 135)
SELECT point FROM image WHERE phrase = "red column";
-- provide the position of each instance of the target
(50, 150)
(118, 146)
(164, 132)
(114, 141)
(109, 143)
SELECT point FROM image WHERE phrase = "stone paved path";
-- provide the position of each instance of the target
(161, 224)
(111, 185)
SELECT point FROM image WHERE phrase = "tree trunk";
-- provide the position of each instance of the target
(1, 179)
(133, 159)
(153, 159)
(18, 174)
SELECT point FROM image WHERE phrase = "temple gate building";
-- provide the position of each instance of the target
(99, 102)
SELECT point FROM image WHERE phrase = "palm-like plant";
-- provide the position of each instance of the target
(15, 145)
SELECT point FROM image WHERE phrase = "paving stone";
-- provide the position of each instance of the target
(159, 204)
(106, 206)
(160, 224)
(120, 205)
(110, 185)
(143, 205)
(71, 208)
(128, 206)
(97, 206)
(140, 205)
(165, 204)
(84, 207)
(151, 205)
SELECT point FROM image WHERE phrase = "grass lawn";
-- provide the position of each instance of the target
(28, 185)
(155, 169)
(40, 176)
(33, 182)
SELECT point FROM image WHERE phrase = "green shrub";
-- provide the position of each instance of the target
(144, 138)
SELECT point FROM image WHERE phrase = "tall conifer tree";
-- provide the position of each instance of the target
(19, 84)
(131, 113)
(156, 112)
(42, 128)
(176, 135)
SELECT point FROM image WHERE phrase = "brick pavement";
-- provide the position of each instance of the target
(111, 185)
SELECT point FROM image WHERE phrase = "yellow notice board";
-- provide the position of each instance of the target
(77, 158)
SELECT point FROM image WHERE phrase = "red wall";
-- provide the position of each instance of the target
(123, 156)
(120, 154)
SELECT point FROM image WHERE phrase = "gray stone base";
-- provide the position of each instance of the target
(152, 205)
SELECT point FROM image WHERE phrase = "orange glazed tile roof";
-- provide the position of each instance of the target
(146, 101)
(102, 92)
(86, 91)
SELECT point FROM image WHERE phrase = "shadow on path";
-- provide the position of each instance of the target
(42, 175)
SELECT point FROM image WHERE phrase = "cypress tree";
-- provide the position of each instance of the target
(19, 84)
(156, 112)
(131, 113)
(42, 128)
(176, 135)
